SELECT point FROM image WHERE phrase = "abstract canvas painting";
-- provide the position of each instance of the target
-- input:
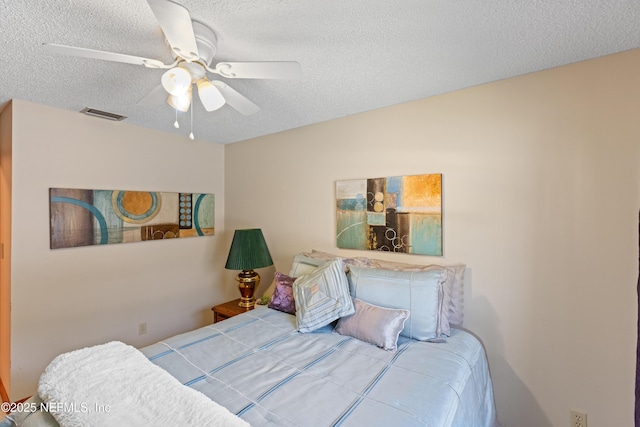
(99, 217)
(395, 214)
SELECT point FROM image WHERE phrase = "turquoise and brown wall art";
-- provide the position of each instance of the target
(100, 217)
(395, 214)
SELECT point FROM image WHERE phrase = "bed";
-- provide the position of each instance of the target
(266, 372)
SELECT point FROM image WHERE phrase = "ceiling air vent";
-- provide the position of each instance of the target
(102, 114)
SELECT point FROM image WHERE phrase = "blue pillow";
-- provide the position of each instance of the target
(303, 264)
(420, 292)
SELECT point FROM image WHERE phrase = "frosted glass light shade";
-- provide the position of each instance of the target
(182, 102)
(210, 96)
(176, 81)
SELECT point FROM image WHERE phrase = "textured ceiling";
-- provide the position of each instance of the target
(355, 55)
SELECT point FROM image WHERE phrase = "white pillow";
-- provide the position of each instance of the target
(322, 296)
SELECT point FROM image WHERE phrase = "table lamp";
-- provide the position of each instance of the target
(248, 251)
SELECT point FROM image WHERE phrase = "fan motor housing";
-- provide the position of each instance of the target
(206, 42)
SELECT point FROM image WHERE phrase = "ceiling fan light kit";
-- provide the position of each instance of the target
(176, 81)
(182, 102)
(210, 96)
(193, 46)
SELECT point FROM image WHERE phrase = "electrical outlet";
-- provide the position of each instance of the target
(142, 328)
(578, 419)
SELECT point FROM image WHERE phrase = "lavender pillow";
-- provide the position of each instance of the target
(282, 297)
(373, 324)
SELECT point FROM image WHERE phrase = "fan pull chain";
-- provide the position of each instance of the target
(176, 124)
(191, 137)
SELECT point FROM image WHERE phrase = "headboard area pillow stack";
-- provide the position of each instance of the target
(453, 287)
(417, 301)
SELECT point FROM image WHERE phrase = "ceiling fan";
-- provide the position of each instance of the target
(193, 46)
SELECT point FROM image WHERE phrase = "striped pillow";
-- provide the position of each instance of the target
(322, 296)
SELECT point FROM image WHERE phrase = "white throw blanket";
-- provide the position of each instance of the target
(114, 384)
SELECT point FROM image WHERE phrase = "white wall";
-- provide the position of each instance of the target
(540, 177)
(70, 298)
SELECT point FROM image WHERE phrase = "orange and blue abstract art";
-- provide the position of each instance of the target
(395, 214)
(100, 217)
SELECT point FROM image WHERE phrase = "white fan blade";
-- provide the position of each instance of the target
(175, 21)
(236, 100)
(258, 70)
(210, 95)
(105, 56)
(157, 96)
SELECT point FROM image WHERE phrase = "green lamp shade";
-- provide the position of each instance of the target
(248, 251)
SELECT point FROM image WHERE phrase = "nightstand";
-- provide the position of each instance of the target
(227, 310)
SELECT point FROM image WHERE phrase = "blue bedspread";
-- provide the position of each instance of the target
(259, 367)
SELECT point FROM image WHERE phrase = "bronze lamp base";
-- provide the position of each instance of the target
(248, 281)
